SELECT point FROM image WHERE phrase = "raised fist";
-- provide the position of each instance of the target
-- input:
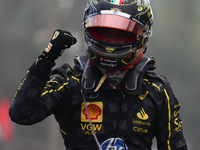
(58, 43)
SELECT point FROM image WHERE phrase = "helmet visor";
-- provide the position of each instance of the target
(111, 35)
(116, 22)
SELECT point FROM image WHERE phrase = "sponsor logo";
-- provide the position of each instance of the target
(117, 13)
(95, 110)
(109, 49)
(48, 47)
(108, 65)
(114, 144)
(88, 130)
(117, 2)
(141, 122)
(108, 62)
(55, 35)
(142, 115)
(143, 96)
(177, 121)
(157, 86)
(121, 2)
(176, 113)
(176, 106)
(178, 124)
(140, 130)
(116, 9)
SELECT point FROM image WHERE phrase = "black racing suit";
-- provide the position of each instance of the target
(119, 115)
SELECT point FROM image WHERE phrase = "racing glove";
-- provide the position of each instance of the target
(58, 43)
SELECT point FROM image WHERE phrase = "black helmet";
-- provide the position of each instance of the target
(132, 16)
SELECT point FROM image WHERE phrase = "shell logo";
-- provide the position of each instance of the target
(95, 111)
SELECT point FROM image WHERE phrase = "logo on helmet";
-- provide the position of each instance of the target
(95, 2)
(130, 15)
(121, 2)
(117, 2)
(142, 5)
(115, 9)
(109, 49)
(108, 62)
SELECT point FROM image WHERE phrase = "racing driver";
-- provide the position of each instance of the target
(111, 98)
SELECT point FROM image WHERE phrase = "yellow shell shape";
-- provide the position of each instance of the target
(94, 111)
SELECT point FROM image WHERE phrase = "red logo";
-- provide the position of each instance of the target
(48, 47)
(95, 112)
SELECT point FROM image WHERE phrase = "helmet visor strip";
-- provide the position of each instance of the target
(116, 22)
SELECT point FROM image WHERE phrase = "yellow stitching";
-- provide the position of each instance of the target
(169, 125)
(145, 80)
(52, 80)
(38, 59)
(63, 132)
(68, 35)
(48, 86)
(76, 79)
(44, 93)
(143, 13)
(56, 89)
(62, 86)
(156, 76)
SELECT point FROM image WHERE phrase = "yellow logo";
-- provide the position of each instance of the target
(109, 49)
(137, 129)
(55, 35)
(142, 115)
(95, 2)
(179, 125)
(143, 96)
(140, 8)
(95, 110)
(158, 87)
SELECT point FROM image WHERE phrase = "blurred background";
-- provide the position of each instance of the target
(27, 26)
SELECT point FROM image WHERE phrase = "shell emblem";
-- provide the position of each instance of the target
(95, 112)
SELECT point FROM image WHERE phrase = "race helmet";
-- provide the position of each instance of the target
(132, 17)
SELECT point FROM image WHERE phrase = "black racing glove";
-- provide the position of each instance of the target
(59, 42)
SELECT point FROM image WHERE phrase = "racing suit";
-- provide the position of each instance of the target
(120, 119)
